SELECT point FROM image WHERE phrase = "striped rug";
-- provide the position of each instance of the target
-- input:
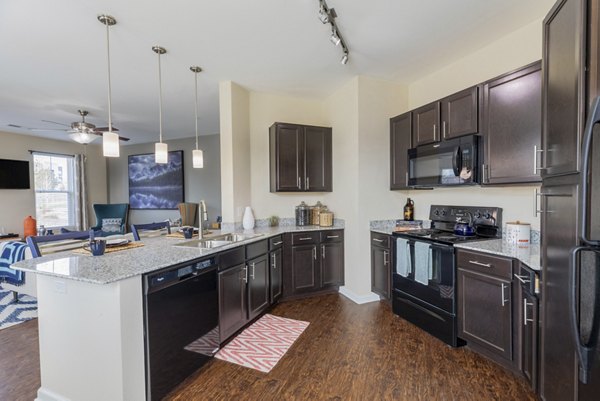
(12, 313)
(263, 344)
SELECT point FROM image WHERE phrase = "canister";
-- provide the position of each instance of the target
(325, 217)
(518, 233)
(315, 211)
(302, 214)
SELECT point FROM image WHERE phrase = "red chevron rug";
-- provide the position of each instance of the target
(263, 344)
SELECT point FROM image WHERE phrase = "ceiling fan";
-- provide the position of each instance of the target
(79, 131)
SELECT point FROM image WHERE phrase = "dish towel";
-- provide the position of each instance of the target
(422, 262)
(12, 252)
(402, 257)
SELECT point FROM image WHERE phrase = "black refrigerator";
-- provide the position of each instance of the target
(569, 203)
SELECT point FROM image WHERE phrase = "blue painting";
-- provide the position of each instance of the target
(155, 186)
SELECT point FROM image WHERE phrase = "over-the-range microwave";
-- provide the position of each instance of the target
(450, 162)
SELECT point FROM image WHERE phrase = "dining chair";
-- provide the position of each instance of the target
(137, 228)
(111, 218)
(61, 241)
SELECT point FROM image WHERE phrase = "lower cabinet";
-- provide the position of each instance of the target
(314, 262)
(232, 300)
(276, 283)
(381, 257)
(529, 338)
(258, 286)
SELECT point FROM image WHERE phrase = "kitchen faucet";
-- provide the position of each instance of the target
(202, 219)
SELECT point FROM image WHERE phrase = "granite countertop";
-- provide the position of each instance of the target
(157, 253)
(529, 255)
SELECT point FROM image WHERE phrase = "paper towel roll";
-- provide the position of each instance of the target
(518, 233)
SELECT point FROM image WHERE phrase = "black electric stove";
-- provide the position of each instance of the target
(424, 271)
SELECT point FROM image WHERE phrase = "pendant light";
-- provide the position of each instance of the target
(110, 139)
(161, 150)
(197, 154)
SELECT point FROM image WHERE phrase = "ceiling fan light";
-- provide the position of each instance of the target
(82, 137)
(197, 158)
(110, 144)
(161, 153)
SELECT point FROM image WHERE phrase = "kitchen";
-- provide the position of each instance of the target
(361, 183)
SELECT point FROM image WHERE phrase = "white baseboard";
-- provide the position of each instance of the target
(47, 395)
(359, 299)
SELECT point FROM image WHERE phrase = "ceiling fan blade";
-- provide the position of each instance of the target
(102, 129)
(54, 122)
(122, 138)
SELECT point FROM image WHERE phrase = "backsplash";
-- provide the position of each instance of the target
(283, 222)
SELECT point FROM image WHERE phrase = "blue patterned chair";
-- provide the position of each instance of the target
(111, 218)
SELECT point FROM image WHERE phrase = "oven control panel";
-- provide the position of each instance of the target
(479, 215)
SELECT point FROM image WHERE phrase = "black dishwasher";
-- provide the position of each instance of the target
(181, 312)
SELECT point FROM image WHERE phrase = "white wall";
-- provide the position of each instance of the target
(15, 205)
(204, 183)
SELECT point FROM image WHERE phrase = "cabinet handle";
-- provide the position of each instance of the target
(299, 183)
(253, 265)
(484, 177)
(277, 243)
(407, 178)
(246, 274)
(385, 258)
(525, 319)
(504, 300)
(314, 252)
(304, 239)
(273, 261)
(474, 262)
(535, 161)
(333, 236)
(323, 251)
(434, 132)
(522, 279)
(378, 240)
(307, 183)
(444, 129)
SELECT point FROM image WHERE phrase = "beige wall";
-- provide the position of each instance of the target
(18, 204)
(204, 183)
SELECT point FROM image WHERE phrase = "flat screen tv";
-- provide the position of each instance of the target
(14, 174)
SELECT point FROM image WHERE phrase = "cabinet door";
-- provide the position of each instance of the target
(400, 142)
(317, 162)
(564, 55)
(276, 275)
(380, 271)
(286, 157)
(304, 268)
(512, 129)
(232, 300)
(460, 113)
(332, 264)
(529, 338)
(426, 124)
(485, 315)
(258, 286)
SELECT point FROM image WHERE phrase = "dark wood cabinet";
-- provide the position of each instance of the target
(232, 300)
(381, 257)
(426, 124)
(529, 338)
(258, 286)
(460, 113)
(512, 126)
(300, 158)
(314, 262)
(485, 305)
(276, 283)
(400, 142)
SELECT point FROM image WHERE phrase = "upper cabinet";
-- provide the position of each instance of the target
(460, 113)
(400, 142)
(426, 124)
(300, 158)
(512, 126)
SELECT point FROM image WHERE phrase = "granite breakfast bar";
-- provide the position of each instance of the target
(91, 318)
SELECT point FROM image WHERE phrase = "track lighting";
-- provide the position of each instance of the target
(327, 16)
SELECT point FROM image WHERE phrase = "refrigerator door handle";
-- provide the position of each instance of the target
(584, 352)
(594, 118)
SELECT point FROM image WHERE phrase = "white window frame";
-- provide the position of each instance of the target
(71, 206)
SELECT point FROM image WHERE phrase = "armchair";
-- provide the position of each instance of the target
(111, 218)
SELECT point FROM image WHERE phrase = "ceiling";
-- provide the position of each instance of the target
(53, 59)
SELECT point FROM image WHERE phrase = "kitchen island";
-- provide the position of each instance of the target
(91, 315)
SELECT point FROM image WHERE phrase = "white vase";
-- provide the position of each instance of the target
(248, 219)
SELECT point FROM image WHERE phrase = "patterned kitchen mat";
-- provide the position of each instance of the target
(263, 344)
(12, 313)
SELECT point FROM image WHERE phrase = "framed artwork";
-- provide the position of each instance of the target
(155, 186)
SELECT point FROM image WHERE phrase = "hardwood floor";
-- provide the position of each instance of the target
(348, 352)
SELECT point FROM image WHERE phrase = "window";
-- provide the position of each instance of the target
(54, 183)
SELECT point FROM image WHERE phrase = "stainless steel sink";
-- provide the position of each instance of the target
(204, 243)
(235, 237)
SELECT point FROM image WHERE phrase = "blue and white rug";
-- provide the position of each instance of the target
(12, 313)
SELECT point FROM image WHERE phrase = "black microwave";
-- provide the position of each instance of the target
(450, 162)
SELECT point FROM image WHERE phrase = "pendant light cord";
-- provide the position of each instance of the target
(109, 84)
(196, 105)
(160, 124)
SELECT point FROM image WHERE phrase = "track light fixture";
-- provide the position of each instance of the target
(327, 16)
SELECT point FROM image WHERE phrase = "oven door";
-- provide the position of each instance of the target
(439, 291)
(451, 162)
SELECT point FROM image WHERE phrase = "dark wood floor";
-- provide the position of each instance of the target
(348, 352)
